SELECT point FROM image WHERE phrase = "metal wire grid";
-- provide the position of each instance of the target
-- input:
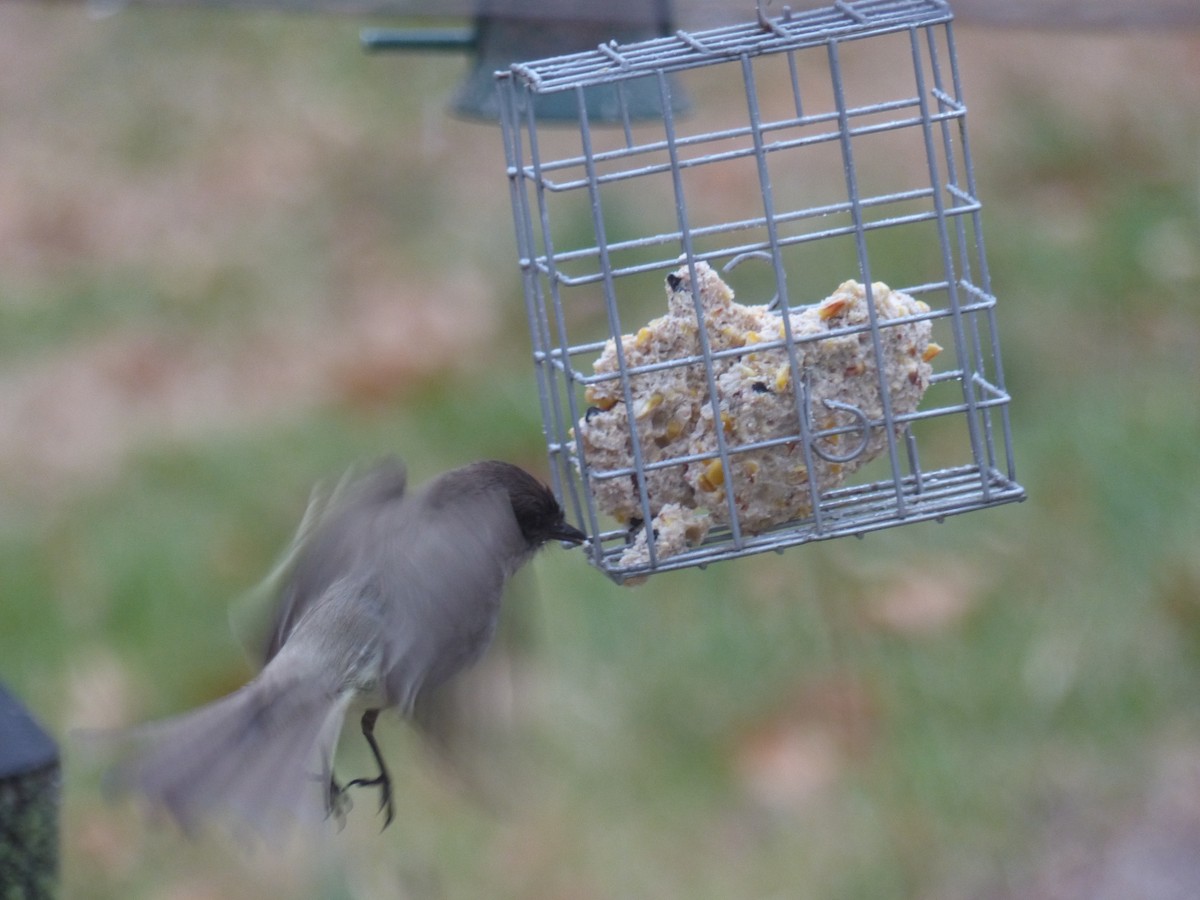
(602, 216)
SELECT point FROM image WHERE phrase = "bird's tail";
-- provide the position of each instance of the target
(260, 758)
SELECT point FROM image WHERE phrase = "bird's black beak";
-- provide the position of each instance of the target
(568, 533)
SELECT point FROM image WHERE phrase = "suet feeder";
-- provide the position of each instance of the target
(855, 383)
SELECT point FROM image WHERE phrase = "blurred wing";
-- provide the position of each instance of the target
(252, 617)
(333, 537)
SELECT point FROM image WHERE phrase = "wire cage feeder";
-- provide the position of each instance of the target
(769, 321)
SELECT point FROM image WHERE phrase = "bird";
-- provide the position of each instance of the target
(386, 595)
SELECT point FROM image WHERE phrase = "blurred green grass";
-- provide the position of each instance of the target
(772, 727)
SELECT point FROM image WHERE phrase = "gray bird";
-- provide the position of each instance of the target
(386, 595)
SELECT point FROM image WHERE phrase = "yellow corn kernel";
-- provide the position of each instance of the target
(727, 422)
(753, 337)
(604, 404)
(733, 337)
(647, 406)
(931, 351)
(831, 307)
(643, 339)
(783, 378)
(674, 429)
(713, 476)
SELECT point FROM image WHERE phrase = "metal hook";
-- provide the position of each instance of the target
(863, 426)
(773, 304)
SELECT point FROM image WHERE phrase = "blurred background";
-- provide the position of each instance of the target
(238, 254)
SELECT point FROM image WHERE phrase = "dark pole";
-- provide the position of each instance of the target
(29, 799)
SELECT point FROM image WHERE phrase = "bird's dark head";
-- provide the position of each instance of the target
(538, 514)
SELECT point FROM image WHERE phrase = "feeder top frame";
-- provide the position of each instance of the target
(612, 62)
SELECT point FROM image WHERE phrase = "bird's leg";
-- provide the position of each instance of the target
(382, 781)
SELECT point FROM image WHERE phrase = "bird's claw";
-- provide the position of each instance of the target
(384, 783)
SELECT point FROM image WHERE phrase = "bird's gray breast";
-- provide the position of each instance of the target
(444, 578)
